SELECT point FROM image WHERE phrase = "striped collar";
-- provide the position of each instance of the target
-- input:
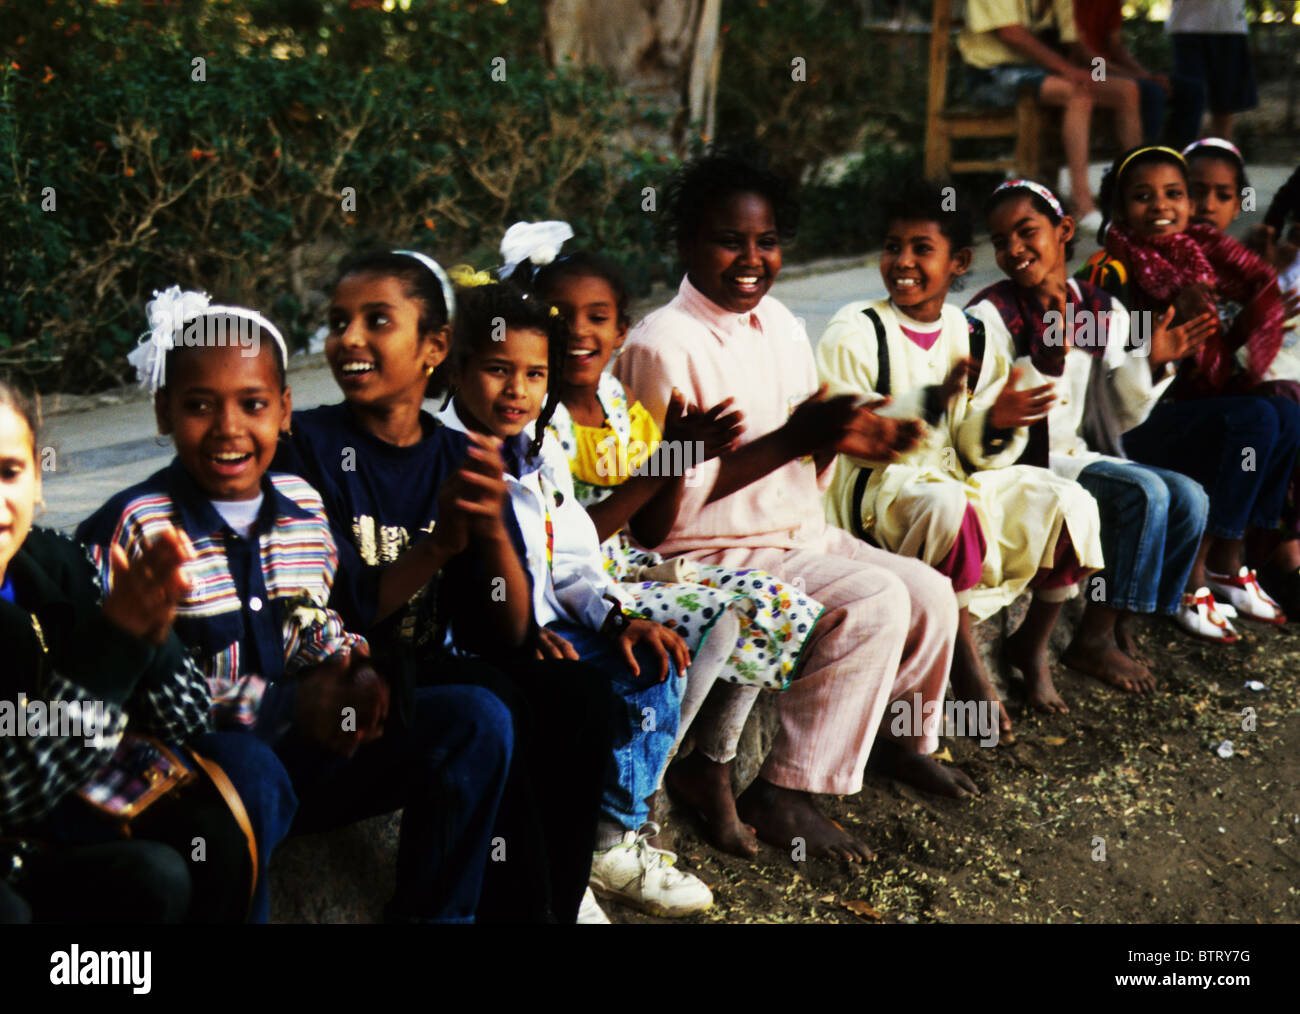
(199, 518)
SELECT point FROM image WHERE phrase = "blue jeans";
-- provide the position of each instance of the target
(1151, 523)
(263, 785)
(1185, 108)
(645, 715)
(447, 770)
(1242, 450)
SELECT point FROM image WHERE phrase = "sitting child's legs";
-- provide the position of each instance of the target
(267, 794)
(447, 770)
(703, 779)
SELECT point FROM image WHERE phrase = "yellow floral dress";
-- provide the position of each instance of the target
(775, 618)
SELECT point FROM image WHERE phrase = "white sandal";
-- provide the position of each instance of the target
(1201, 617)
(1245, 594)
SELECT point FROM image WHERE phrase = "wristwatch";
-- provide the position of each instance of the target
(616, 621)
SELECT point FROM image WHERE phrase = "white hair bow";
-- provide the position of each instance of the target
(169, 313)
(538, 242)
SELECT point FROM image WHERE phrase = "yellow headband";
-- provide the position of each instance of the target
(1143, 151)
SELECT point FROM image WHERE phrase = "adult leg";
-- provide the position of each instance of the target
(1187, 108)
(448, 770)
(1121, 95)
(1152, 101)
(1190, 56)
(1077, 102)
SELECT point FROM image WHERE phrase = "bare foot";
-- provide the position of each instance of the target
(971, 682)
(890, 759)
(705, 786)
(1103, 659)
(1037, 670)
(780, 816)
(1126, 638)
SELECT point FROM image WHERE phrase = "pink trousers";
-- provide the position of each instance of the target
(887, 635)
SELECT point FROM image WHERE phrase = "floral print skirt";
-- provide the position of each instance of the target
(776, 619)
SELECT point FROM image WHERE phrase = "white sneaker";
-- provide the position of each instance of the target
(590, 913)
(638, 874)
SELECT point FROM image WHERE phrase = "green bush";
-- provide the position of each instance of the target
(236, 184)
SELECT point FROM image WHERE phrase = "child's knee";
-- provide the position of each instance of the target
(1287, 413)
(1187, 499)
(482, 718)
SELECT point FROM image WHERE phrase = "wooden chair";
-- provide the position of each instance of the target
(944, 123)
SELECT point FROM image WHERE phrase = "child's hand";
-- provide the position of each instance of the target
(1015, 408)
(1290, 303)
(326, 691)
(452, 530)
(1170, 344)
(661, 639)
(552, 645)
(877, 437)
(145, 592)
(819, 422)
(962, 376)
(484, 493)
(717, 429)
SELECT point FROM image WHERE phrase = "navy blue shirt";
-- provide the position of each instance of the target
(380, 499)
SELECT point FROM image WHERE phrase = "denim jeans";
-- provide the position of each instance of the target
(1185, 108)
(264, 787)
(447, 770)
(1151, 523)
(645, 715)
(1242, 450)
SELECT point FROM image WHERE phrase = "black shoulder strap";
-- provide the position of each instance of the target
(882, 351)
(976, 338)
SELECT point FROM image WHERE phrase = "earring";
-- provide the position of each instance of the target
(428, 370)
(161, 440)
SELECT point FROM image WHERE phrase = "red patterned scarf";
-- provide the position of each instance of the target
(1163, 266)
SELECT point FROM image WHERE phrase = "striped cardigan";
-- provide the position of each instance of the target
(256, 610)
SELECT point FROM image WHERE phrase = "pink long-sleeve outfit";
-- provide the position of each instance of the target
(890, 622)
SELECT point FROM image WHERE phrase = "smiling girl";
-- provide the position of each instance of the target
(1151, 519)
(890, 622)
(431, 570)
(746, 630)
(957, 501)
(70, 642)
(505, 369)
(1241, 449)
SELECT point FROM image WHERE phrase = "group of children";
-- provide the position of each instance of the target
(504, 618)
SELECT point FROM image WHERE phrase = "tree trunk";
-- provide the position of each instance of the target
(664, 50)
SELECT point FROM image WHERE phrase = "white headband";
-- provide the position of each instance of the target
(538, 242)
(448, 294)
(1214, 142)
(169, 313)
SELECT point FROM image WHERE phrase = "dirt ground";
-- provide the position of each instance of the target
(1121, 811)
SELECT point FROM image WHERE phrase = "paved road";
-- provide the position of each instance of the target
(100, 451)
